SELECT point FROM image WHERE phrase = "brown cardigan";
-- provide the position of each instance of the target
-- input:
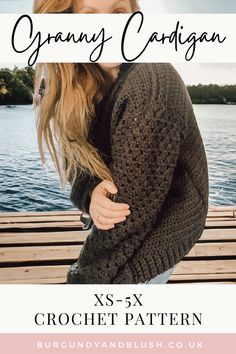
(147, 133)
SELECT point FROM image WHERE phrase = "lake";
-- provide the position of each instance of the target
(27, 186)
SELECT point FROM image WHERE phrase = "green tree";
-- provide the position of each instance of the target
(16, 86)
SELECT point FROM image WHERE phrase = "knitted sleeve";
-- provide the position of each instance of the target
(81, 190)
(145, 149)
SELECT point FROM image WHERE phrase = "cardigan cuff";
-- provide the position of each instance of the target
(73, 275)
(87, 194)
(81, 195)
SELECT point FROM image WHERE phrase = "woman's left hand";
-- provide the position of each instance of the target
(104, 212)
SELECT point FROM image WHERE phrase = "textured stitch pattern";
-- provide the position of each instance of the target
(152, 143)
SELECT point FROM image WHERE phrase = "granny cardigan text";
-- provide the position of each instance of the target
(35, 39)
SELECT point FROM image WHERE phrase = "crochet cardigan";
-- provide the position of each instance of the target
(147, 133)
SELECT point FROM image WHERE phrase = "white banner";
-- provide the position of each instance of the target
(208, 38)
(128, 308)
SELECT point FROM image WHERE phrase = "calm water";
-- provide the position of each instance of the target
(25, 185)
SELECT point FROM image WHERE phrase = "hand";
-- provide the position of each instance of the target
(36, 99)
(104, 212)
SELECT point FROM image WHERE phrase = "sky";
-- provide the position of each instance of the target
(191, 73)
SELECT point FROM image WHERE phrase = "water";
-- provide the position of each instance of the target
(217, 124)
(26, 186)
(24, 183)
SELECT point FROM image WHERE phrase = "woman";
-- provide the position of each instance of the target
(125, 132)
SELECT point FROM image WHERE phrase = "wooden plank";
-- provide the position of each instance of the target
(213, 249)
(210, 224)
(80, 236)
(207, 276)
(57, 274)
(72, 217)
(229, 223)
(39, 213)
(39, 253)
(71, 224)
(218, 234)
(221, 207)
(227, 213)
(206, 267)
(212, 208)
(225, 209)
(220, 218)
(34, 275)
(43, 237)
(37, 219)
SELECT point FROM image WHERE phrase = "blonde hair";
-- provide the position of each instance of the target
(67, 109)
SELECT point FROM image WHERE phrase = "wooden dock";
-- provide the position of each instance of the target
(38, 248)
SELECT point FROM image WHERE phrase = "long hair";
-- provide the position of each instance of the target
(67, 109)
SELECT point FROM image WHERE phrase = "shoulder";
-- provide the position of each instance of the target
(154, 85)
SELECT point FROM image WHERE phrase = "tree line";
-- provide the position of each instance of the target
(17, 87)
(212, 94)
